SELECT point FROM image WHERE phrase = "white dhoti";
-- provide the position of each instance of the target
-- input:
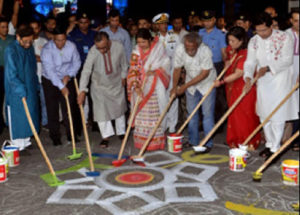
(107, 130)
(273, 133)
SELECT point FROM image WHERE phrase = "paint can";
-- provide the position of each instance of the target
(11, 152)
(3, 168)
(237, 160)
(290, 172)
(175, 143)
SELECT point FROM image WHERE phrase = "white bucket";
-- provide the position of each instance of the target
(3, 168)
(237, 160)
(175, 143)
(11, 152)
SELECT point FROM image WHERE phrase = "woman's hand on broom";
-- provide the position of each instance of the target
(248, 85)
(139, 92)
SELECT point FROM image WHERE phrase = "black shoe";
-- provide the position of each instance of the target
(121, 137)
(265, 153)
(104, 143)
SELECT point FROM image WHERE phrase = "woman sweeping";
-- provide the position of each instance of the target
(148, 65)
(243, 120)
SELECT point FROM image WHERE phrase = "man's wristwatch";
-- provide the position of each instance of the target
(268, 69)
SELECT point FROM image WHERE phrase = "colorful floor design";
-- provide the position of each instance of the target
(156, 186)
(134, 178)
(132, 182)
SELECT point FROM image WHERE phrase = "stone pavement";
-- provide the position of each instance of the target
(169, 184)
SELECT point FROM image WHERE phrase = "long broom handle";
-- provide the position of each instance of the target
(37, 139)
(86, 136)
(131, 118)
(270, 115)
(70, 122)
(162, 116)
(237, 101)
(283, 147)
(205, 96)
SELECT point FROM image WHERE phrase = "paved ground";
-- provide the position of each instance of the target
(170, 183)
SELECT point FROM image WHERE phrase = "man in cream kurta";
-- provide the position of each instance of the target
(107, 66)
(271, 51)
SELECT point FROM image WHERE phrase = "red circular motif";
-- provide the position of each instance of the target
(135, 178)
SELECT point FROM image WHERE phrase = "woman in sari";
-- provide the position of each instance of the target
(243, 119)
(148, 79)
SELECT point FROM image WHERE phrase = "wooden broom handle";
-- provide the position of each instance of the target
(70, 121)
(86, 136)
(205, 96)
(270, 115)
(283, 147)
(162, 116)
(36, 136)
(233, 106)
(131, 118)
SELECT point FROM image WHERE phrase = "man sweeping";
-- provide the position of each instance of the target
(21, 81)
(271, 51)
(107, 66)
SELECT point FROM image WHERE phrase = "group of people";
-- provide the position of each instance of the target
(117, 69)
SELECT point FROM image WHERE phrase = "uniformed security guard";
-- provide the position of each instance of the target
(82, 36)
(170, 41)
(215, 39)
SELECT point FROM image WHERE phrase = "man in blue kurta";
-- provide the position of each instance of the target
(21, 81)
(5, 40)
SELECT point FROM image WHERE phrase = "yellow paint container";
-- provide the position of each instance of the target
(290, 172)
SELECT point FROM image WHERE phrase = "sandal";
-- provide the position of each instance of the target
(104, 143)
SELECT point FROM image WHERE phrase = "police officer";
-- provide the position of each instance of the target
(214, 38)
(170, 40)
(82, 36)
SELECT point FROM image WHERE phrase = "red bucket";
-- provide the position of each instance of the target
(3, 168)
(175, 143)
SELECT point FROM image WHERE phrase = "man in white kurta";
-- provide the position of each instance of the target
(106, 65)
(170, 40)
(270, 52)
